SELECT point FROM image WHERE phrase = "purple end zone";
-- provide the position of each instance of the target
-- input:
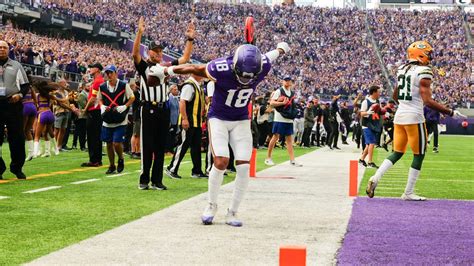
(393, 231)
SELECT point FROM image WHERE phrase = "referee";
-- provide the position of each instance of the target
(14, 85)
(155, 112)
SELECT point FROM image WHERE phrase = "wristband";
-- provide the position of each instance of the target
(170, 71)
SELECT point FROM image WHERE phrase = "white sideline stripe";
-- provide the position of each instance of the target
(4, 197)
(118, 174)
(85, 181)
(42, 189)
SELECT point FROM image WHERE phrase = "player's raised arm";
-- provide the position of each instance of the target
(425, 92)
(190, 34)
(282, 48)
(162, 72)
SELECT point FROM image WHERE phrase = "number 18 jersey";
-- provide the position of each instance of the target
(230, 98)
(410, 109)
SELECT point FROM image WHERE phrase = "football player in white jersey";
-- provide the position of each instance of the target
(412, 93)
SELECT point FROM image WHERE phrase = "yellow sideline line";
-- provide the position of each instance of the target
(82, 169)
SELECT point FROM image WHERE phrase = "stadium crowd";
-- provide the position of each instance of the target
(48, 55)
(333, 33)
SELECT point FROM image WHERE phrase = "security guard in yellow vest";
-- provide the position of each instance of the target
(191, 112)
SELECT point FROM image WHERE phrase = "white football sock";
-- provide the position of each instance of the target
(216, 177)
(386, 164)
(240, 185)
(36, 148)
(53, 141)
(47, 146)
(412, 177)
(31, 146)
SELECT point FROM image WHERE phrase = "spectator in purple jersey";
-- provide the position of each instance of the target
(236, 78)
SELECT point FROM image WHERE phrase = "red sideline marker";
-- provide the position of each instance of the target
(253, 163)
(353, 173)
(293, 256)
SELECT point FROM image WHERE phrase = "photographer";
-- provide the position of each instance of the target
(285, 112)
(263, 113)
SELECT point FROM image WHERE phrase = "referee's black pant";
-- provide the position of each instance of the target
(11, 115)
(94, 143)
(154, 131)
(189, 138)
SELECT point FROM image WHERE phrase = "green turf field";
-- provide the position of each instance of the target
(37, 224)
(446, 175)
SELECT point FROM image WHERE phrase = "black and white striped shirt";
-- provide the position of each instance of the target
(157, 93)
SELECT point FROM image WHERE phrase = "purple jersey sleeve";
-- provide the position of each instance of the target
(230, 98)
(220, 69)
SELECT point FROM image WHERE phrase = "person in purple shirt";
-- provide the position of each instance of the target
(236, 78)
(432, 120)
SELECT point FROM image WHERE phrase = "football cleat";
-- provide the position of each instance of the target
(269, 162)
(46, 154)
(295, 163)
(209, 214)
(370, 190)
(231, 219)
(412, 197)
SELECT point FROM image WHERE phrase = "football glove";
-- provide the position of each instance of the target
(103, 108)
(284, 46)
(121, 108)
(458, 115)
(158, 71)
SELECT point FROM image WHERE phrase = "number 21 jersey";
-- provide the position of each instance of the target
(410, 109)
(230, 99)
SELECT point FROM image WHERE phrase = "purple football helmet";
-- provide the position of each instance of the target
(247, 63)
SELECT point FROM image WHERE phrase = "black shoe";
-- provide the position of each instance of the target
(372, 165)
(66, 148)
(363, 162)
(158, 187)
(385, 146)
(435, 150)
(172, 175)
(89, 164)
(143, 187)
(111, 170)
(345, 143)
(337, 148)
(3, 167)
(120, 166)
(84, 149)
(136, 156)
(199, 175)
(19, 175)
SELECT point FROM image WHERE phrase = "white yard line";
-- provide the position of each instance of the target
(85, 181)
(42, 189)
(4, 197)
(121, 174)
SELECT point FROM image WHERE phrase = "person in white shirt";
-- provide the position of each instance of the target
(285, 112)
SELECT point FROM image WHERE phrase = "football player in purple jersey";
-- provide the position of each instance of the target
(236, 78)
